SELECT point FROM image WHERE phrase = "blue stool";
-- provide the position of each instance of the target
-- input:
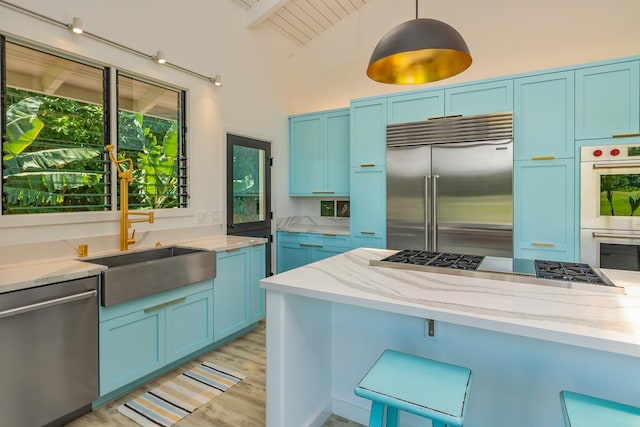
(399, 381)
(580, 410)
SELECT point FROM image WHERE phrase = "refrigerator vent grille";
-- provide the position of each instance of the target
(452, 129)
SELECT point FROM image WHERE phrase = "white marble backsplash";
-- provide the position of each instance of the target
(313, 224)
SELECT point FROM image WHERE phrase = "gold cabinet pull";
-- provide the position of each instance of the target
(155, 307)
(543, 157)
(625, 135)
(367, 232)
(310, 245)
(323, 192)
(175, 301)
(543, 244)
(329, 234)
(367, 165)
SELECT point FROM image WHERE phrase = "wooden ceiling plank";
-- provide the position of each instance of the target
(289, 30)
(263, 10)
(326, 11)
(305, 16)
(296, 22)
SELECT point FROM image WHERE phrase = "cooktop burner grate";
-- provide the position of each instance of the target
(571, 271)
(436, 259)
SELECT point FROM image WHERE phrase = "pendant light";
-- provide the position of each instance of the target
(419, 51)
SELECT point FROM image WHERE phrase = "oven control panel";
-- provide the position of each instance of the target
(610, 152)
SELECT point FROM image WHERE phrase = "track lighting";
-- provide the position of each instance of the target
(217, 80)
(76, 25)
(159, 58)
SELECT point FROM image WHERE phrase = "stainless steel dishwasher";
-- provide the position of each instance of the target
(48, 353)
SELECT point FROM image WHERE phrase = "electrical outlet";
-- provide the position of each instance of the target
(201, 217)
(215, 216)
(430, 329)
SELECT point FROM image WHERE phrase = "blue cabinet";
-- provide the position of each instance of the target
(368, 207)
(238, 300)
(415, 106)
(544, 116)
(298, 249)
(319, 154)
(607, 100)
(479, 98)
(544, 215)
(141, 336)
(368, 133)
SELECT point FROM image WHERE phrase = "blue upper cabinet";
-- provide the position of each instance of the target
(543, 116)
(607, 100)
(415, 106)
(319, 154)
(479, 98)
(368, 132)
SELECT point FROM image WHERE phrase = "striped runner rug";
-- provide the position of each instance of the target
(175, 399)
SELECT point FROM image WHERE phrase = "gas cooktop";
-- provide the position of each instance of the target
(555, 273)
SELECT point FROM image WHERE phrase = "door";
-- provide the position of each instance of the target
(408, 171)
(249, 190)
(473, 198)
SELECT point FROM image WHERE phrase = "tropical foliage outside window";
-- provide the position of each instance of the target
(54, 137)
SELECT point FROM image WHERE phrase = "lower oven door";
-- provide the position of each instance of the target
(610, 248)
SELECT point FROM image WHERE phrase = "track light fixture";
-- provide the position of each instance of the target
(76, 25)
(217, 80)
(159, 58)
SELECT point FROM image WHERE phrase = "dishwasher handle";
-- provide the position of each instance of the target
(49, 303)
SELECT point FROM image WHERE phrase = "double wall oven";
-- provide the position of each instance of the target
(610, 206)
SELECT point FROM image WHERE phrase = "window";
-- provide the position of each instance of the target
(151, 134)
(54, 126)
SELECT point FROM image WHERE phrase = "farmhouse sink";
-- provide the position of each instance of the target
(138, 274)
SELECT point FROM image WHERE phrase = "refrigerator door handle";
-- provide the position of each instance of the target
(427, 212)
(434, 213)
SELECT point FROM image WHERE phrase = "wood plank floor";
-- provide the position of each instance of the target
(241, 406)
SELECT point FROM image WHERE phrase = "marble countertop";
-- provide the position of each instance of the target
(597, 320)
(320, 225)
(51, 270)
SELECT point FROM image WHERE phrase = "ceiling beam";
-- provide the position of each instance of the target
(262, 10)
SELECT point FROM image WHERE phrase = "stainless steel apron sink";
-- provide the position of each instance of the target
(139, 274)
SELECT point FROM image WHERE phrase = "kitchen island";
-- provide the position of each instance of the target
(327, 323)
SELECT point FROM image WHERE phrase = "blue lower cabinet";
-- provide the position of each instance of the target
(131, 346)
(189, 325)
(292, 255)
(297, 249)
(256, 300)
(144, 335)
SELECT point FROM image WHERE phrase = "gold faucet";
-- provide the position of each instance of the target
(126, 176)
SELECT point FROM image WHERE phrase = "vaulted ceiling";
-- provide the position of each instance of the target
(299, 20)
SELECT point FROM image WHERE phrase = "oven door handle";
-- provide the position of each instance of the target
(617, 236)
(615, 165)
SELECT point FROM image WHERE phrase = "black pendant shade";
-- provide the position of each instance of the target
(419, 51)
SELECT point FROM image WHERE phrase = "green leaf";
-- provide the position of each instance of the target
(23, 126)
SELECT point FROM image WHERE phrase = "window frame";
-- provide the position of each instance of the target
(110, 117)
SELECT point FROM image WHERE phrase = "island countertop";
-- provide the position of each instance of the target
(595, 320)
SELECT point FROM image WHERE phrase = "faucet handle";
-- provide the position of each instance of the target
(132, 240)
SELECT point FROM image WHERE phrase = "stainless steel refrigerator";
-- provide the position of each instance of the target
(450, 185)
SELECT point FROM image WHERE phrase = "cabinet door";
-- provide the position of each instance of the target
(543, 116)
(607, 100)
(544, 218)
(292, 255)
(306, 151)
(368, 205)
(256, 301)
(337, 158)
(413, 107)
(368, 132)
(481, 98)
(189, 325)
(131, 346)
(230, 293)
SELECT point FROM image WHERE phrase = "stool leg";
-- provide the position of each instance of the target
(392, 416)
(377, 412)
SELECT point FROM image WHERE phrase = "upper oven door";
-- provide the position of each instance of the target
(610, 190)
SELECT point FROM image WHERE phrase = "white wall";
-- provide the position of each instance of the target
(208, 37)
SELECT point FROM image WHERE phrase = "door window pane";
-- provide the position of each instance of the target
(53, 148)
(248, 185)
(150, 134)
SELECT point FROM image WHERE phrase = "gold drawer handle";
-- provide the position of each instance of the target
(154, 308)
(543, 157)
(543, 244)
(329, 234)
(367, 165)
(176, 301)
(625, 135)
(310, 245)
(367, 232)
(323, 192)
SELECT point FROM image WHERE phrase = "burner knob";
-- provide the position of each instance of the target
(597, 153)
(615, 152)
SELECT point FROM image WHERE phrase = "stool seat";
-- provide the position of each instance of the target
(581, 410)
(431, 389)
